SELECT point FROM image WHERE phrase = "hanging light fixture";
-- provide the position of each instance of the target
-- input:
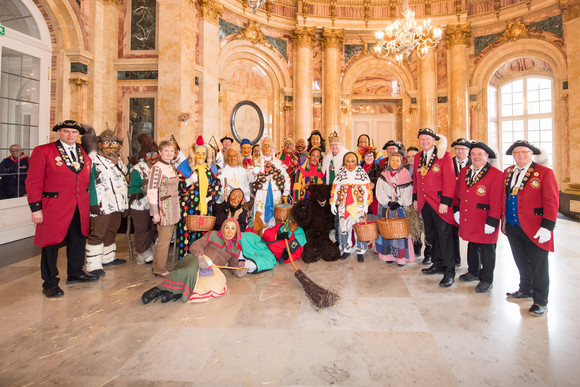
(405, 35)
(255, 4)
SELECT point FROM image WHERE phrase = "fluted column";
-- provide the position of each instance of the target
(570, 201)
(302, 38)
(103, 42)
(332, 47)
(428, 90)
(175, 87)
(209, 49)
(458, 40)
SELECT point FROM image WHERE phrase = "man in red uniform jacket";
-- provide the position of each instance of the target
(57, 186)
(433, 190)
(531, 200)
(479, 194)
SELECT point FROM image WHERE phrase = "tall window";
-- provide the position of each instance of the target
(525, 112)
(24, 91)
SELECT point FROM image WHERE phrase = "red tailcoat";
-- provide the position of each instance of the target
(538, 202)
(437, 186)
(57, 190)
(480, 204)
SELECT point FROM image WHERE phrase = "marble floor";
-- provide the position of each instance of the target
(393, 327)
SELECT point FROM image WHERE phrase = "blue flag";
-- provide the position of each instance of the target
(269, 207)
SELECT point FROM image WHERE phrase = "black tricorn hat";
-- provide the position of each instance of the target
(461, 141)
(69, 124)
(226, 138)
(429, 132)
(522, 143)
(390, 143)
(482, 145)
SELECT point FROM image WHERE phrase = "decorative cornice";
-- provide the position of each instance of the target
(367, 9)
(268, 7)
(304, 10)
(303, 36)
(253, 34)
(458, 34)
(428, 7)
(333, 11)
(496, 8)
(78, 81)
(211, 10)
(514, 31)
(570, 8)
(332, 38)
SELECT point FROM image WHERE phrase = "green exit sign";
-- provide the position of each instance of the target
(2, 30)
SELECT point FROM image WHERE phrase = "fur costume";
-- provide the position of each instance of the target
(315, 217)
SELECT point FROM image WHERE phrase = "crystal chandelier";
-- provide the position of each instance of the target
(405, 35)
(255, 4)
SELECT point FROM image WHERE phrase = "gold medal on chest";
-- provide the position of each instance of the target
(58, 158)
(58, 164)
(535, 183)
(515, 190)
(423, 171)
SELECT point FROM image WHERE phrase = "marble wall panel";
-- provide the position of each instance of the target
(371, 109)
(317, 66)
(123, 108)
(317, 117)
(442, 65)
(442, 119)
(377, 83)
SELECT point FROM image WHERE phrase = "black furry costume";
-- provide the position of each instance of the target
(314, 216)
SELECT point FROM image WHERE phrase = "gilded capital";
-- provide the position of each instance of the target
(303, 36)
(458, 34)
(253, 34)
(332, 38)
(211, 10)
(78, 81)
(570, 8)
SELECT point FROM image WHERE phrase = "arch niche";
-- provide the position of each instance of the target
(535, 49)
(258, 74)
(365, 69)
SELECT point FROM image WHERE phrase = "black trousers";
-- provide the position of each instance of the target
(439, 234)
(532, 263)
(481, 260)
(75, 253)
(456, 245)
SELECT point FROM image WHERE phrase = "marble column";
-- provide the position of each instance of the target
(102, 78)
(428, 90)
(570, 198)
(176, 68)
(332, 48)
(457, 37)
(209, 49)
(302, 38)
(78, 97)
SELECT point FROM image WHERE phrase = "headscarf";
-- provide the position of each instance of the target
(235, 211)
(233, 245)
(389, 173)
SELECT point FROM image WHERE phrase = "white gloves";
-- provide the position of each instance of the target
(543, 234)
(488, 229)
(456, 217)
(333, 209)
(366, 209)
(191, 179)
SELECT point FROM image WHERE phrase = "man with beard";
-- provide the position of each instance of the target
(109, 200)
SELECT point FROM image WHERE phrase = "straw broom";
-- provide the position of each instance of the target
(318, 296)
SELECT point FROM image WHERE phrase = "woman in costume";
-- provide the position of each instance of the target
(308, 174)
(316, 141)
(374, 171)
(196, 278)
(270, 185)
(350, 198)
(276, 237)
(199, 192)
(394, 193)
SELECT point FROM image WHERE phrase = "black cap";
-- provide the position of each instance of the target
(69, 124)
(482, 145)
(429, 132)
(522, 143)
(391, 143)
(462, 142)
(412, 148)
(226, 138)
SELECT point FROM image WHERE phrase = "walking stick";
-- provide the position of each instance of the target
(129, 242)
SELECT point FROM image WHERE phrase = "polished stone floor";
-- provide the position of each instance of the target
(393, 327)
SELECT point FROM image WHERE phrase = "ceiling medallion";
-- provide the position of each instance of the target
(404, 36)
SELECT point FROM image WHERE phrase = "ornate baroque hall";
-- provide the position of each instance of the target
(503, 70)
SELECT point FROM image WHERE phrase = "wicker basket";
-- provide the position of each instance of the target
(282, 212)
(366, 231)
(394, 228)
(200, 222)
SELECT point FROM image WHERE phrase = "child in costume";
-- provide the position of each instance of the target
(350, 198)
